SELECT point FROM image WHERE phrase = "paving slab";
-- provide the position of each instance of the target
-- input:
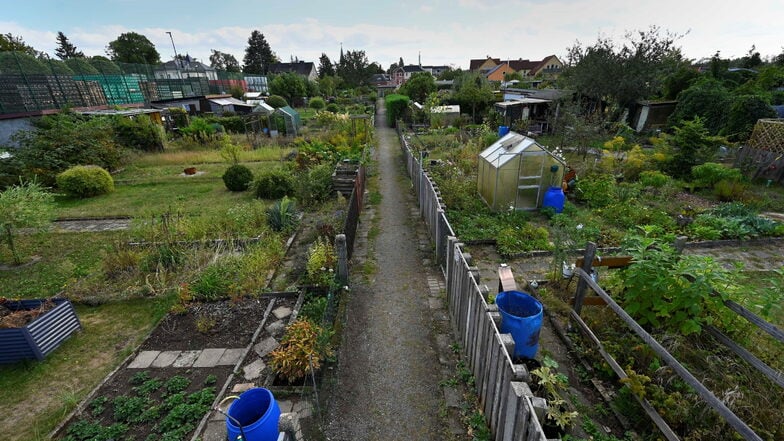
(165, 359)
(143, 360)
(253, 370)
(281, 312)
(435, 303)
(452, 397)
(215, 431)
(266, 346)
(242, 387)
(276, 328)
(186, 359)
(285, 406)
(209, 357)
(230, 357)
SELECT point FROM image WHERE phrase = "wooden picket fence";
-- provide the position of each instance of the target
(509, 406)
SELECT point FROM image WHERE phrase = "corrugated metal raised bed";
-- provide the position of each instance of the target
(41, 336)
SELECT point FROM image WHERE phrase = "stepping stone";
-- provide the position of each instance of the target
(266, 346)
(281, 312)
(209, 357)
(215, 431)
(435, 303)
(143, 360)
(276, 328)
(440, 316)
(165, 359)
(242, 387)
(443, 341)
(253, 370)
(230, 357)
(186, 359)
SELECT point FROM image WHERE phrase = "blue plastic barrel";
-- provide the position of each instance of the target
(502, 130)
(521, 316)
(258, 413)
(554, 197)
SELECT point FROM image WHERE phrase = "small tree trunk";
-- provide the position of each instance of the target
(9, 239)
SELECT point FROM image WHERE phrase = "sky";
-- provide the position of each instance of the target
(441, 32)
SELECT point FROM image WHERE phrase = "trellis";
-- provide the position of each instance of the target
(763, 157)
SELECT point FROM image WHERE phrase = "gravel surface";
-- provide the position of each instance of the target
(388, 372)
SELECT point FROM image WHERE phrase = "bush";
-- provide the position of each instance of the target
(316, 185)
(234, 124)
(214, 282)
(321, 263)
(317, 103)
(138, 133)
(396, 106)
(655, 179)
(282, 215)
(274, 184)
(728, 190)
(84, 181)
(200, 130)
(276, 101)
(303, 347)
(710, 173)
(179, 116)
(332, 107)
(237, 177)
(596, 190)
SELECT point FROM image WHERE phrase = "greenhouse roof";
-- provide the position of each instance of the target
(510, 146)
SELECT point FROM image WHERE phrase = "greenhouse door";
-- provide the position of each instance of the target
(529, 181)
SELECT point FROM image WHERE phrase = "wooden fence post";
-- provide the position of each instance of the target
(582, 285)
(342, 251)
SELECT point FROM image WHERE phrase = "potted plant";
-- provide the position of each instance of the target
(32, 329)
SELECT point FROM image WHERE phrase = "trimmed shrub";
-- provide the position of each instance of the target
(396, 106)
(710, 173)
(276, 101)
(655, 179)
(84, 181)
(333, 108)
(234, 124)
(317, 103)
(274, 184)
(237, 177)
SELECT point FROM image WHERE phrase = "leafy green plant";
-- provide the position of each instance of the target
(710, 173)
(314, 309)
(237, 177)
(199, 130)
(129, 409)
(148, 387)
(729, 190)
(213, 282)
(282, 215)
(316, 185)
(138, 133)
(554, 384)
(98, 405)
(320, 268)
(303, 347)
(596, 190)
(665, 289)
(274, 184)
(86, 430)
(84, 181)
(317, 103)
(654, 178)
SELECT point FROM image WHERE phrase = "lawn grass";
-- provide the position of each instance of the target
(63, 257)
(213, 156)
(38, 395)
(141, 190)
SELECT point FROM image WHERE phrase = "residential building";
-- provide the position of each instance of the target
(305, 69)
(436, 70)
(402, 74)
(549, 65)
(499, 72)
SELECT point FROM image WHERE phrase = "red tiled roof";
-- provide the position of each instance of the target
(476, 64)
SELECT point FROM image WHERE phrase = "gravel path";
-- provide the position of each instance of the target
(388, 374)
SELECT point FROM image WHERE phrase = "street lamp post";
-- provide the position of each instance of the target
(176, 57)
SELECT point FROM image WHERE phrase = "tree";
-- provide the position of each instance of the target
(24, 206)
(707, 99)
(325, 68)
(623, 74)
(9, 42)
(743, 115)
(132, 47)
(329, 85)
(679, 81)
(694, 146)
(473, 91)
(224, 61)
(752, 59)
(353, 68)
(419, 86)
(65, 49)
(258, 55)
(288, 85)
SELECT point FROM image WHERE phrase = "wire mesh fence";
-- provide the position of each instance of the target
(29, 85)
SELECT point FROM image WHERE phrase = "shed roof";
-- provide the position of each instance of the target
(521, 101)
(455, 108)
(229, 102)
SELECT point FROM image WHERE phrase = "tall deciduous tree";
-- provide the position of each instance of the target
(353, 68)
(289, 85)
(419, 86)
(258, 55)
(473, 91)
(224, 61)
(623, 74)
(325, 69)
(132, 47)
(66, 49)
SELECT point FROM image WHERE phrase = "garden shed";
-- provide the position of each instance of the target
(515, 172)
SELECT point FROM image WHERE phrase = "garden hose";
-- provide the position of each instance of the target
(234, 420)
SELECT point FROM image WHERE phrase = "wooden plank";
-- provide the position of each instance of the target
(739, 425)
(609, 262)
(591, 301)
(774, 375)
(646, 405)
(588, 258)
(753, 318)
(506, 281)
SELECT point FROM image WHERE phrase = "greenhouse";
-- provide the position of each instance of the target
(515, 172)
